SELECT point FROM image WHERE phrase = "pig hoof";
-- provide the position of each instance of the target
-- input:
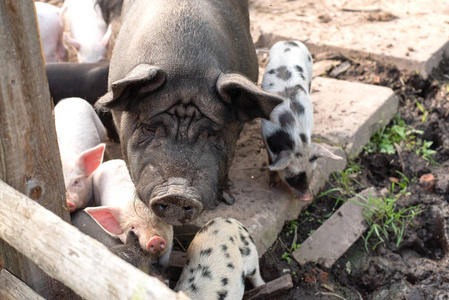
(227, 197)
(275, 181)
(229, 183)
(275, 184)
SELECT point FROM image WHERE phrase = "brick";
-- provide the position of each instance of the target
(331, 240)
(347, 114)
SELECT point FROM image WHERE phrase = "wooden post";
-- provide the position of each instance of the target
(29, 155)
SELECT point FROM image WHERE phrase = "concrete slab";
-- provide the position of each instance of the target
(413, 35)
(347, 114)
(336, 235)
(263, 210)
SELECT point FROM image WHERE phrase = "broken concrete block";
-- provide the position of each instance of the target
(262, 209)
(337, 234)
(347, 114)
(322, 67)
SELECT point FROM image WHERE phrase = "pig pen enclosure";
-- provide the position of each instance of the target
(38, 246)
(417, 269)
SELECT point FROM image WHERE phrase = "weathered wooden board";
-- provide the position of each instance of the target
(63, 252)
(12, 288)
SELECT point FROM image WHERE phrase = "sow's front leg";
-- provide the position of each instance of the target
(227, 196)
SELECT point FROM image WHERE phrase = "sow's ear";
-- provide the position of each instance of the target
(142, 79)
(249, 100)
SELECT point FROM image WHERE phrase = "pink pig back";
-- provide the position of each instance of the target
(112, 184)
(78, 127)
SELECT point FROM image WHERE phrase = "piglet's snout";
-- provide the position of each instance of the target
(156, 245)
(70, 204)
(306, 197)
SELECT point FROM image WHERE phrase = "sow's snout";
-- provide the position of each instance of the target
(176, 203)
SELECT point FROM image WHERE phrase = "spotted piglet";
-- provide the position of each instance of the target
(220, 257)
(287, 135)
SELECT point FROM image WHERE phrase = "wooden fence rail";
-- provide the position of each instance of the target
(12, 288)
(67, 255)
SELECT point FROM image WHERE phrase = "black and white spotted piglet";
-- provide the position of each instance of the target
(287, 135)
(220, 257)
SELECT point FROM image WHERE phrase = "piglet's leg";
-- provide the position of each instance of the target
(275, 180)
(256, 279)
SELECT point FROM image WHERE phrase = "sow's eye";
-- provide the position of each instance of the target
(212, 136)
(151, 131)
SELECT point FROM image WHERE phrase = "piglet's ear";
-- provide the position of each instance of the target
(72, 42)
(141, 80)
(281, 161)
(107, 217)
(320, 151)
(107, 36)
(62, 12)
(90, 160)
(249, 100)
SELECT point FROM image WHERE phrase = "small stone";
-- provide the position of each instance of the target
(427, 182)
(393, 179)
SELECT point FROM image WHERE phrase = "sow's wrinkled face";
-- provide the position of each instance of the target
(178, 135)
(178, 156)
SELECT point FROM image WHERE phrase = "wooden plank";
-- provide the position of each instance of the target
(29, 146)
(29, 156)
(12, 288)
(270, 289)
(177, 259)
(63, 252)
(332, 239)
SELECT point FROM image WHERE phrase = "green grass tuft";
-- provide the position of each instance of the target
(385, 220)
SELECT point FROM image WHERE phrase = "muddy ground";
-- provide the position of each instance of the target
(419, 267)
